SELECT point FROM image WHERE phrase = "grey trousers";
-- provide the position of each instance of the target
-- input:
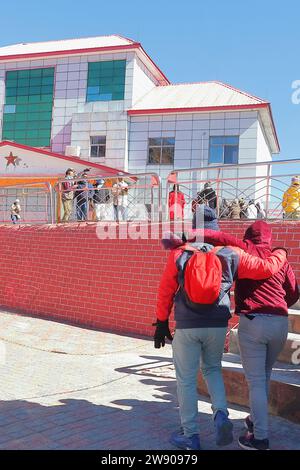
(260, 341)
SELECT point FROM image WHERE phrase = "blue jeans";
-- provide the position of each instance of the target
(122, 210)
(260, 342)
(82, 211)
(194, 347)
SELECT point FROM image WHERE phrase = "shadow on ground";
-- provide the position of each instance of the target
(132, 423)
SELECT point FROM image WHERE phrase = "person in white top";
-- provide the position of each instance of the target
(120, 199)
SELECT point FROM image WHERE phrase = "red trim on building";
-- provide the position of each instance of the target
(79, 161)
(132, 112)
(124, 47)
(273, 126)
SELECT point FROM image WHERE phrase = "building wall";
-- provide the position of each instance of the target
(73, 119)
(192, 133)
(143, 81)
(67, 273)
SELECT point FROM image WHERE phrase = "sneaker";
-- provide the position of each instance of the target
(249, 425)
(248, 442)
(178, 439)
(223, 427)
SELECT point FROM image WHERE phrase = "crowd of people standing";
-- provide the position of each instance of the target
(91, 199)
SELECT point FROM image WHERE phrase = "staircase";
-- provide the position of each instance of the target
(285, 382)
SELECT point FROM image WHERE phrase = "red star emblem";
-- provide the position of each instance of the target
(11, 159)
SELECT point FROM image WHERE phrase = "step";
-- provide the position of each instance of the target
(290, 353)
(294, 321)
(284, 388)
(296, 306)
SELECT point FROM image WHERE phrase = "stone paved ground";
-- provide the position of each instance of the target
(64, 387)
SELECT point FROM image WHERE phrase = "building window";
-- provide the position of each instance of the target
(161, 150)
(224, 150)
(98, 146)
(27, 114)
(106, 80)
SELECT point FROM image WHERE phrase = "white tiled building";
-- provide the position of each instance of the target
(103, 99)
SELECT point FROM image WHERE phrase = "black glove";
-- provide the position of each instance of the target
(162, 331)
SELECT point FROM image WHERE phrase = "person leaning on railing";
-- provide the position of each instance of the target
(291, 200)
(68, 194)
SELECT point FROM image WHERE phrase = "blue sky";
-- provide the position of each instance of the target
(252, 45)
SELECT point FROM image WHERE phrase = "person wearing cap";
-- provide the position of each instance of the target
(15, 211)
(291, 200)
(200, 334)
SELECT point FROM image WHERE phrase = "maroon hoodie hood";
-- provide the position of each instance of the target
(273, 295)
(258, 238)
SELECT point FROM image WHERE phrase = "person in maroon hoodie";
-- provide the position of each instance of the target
(263, 328)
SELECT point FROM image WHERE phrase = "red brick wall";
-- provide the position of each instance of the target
(68, 273)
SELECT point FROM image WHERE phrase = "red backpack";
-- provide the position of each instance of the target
(200, 276)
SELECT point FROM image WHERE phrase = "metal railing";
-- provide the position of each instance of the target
(132, 197)
(36, 203)
(245, 191)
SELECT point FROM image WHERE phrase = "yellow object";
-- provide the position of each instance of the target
(291, 199)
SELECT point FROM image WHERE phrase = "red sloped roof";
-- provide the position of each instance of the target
(105, 170)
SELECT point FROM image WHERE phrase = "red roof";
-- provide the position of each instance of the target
(103, 169)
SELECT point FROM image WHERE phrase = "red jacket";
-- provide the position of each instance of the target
(271, 296)
(247, 266)
(176, 205)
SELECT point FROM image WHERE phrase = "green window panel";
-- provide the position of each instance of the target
(23, 91)
(35, 90)
(35, 81)
(48, 72)
(34, 99)
(45, 116)
(47, 98)
(23, 82)
(36, 73)
(22, 73)
(20, 134)
(106, 80)
(8, 126)
(22, 99)
(21, 108)
(46, 89)
(30, 134)
(11, 117)
(10, 100)
(11, 92)
(11, 75)
(8, 135)
(47, 81)
(44, 133)
(32, 92)
(45, 125)
(32, 125)
(21, 117)
(33, 117)
(20, 126)
(11, 83)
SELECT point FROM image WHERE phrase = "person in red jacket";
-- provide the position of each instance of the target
(263, 309)
(176, 204)
(200, 334)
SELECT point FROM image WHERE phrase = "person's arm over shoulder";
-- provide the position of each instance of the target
(252, 267)
(216, 238)
(290, 286)
(168, 287)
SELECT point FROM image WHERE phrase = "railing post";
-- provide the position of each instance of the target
(268, 193)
